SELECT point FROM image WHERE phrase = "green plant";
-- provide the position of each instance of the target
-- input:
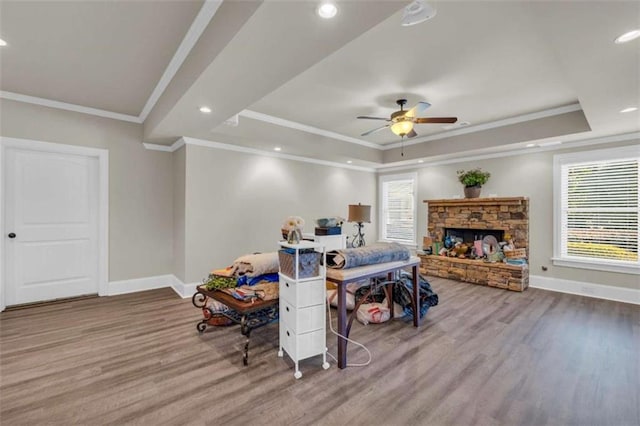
(474, 177)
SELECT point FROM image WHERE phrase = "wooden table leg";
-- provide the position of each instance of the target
(342, 325)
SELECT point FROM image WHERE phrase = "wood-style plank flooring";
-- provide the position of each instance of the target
(484, 356)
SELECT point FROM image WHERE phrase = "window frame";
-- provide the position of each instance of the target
(595, 156)
(382, 179)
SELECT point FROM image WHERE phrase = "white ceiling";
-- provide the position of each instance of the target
(518, 71)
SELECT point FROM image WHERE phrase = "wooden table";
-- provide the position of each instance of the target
(342, 277)
(250, 315)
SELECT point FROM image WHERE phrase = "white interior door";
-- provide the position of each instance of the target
(51, 225)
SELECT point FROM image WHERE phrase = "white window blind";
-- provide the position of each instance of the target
(599, 209)
(398, 204)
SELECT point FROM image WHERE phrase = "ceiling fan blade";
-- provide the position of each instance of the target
(372, 118)
(435, 120)
(412, 134)
(375, 130)
(418, 109)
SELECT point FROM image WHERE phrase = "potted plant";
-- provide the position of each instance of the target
(473, 181)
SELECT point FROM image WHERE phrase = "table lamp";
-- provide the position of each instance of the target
(359, 214)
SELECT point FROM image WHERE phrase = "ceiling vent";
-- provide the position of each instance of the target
(418, 11)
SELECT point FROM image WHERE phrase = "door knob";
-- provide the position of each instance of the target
(11, 235)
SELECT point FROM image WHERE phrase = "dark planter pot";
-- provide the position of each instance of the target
(472, 191)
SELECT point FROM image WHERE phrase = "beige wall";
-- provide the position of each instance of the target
(236, 203)
(529, 175)
(179, 205)
(140, 182)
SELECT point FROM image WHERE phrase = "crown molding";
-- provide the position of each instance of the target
(405, 165)
(199, 24)
(227, 147)
(303, 127)
(412, 164)
(69, 107)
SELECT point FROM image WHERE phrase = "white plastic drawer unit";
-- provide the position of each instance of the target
(301, 294)
(302, 320)
(301, 346)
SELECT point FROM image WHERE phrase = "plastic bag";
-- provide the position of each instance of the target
(373, 313)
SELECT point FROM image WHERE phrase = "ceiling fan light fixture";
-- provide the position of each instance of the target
(417, 12)
(401, 128)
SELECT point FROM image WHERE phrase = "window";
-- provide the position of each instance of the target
(596, 210)
(398, 195)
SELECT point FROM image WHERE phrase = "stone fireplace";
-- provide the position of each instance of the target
(471, 219)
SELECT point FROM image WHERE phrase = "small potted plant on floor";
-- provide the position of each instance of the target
(473, 181)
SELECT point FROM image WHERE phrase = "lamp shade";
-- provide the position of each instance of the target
(359, 213)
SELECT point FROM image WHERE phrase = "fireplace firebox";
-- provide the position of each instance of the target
(468, 235)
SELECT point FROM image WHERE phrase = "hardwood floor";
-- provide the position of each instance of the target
(483, 356)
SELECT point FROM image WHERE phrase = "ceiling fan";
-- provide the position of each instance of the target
(401, 122)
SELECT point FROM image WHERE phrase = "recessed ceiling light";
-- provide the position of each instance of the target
(349, 162)
(631, 35)
(420, 161)
(531, 145)
(327, 10)
(205, 109)
(2, 42)
(630, 109)
(277, 148)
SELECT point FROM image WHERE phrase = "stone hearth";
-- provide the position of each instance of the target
(508, 215)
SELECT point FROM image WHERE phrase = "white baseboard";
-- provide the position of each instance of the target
(619, 294)
(183, 290)
(140, 284)
(151, 283)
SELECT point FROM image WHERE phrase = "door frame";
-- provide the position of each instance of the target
(102, 156)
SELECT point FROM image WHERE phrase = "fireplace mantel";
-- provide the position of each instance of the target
(503, 201)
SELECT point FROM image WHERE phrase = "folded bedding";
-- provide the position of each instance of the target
(253, 265)
(367, 255)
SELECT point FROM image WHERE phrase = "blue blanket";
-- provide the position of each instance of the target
(367, 255)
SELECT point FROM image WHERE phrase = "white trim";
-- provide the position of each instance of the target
(490, 125)
(595, 264)
(618, 294)
(140, 284)
(69, 107)
(185, 290)
(246, 150)
(412, 164)
(103, 200)
(303, 127)
(199, 24)
(152, 283)
(206, 13)
(405, 165)
(155, 147)
(103, 222)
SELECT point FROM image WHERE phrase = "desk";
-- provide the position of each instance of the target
(342, 277)
(249, 315)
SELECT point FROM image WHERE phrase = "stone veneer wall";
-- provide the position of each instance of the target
(510, 215)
